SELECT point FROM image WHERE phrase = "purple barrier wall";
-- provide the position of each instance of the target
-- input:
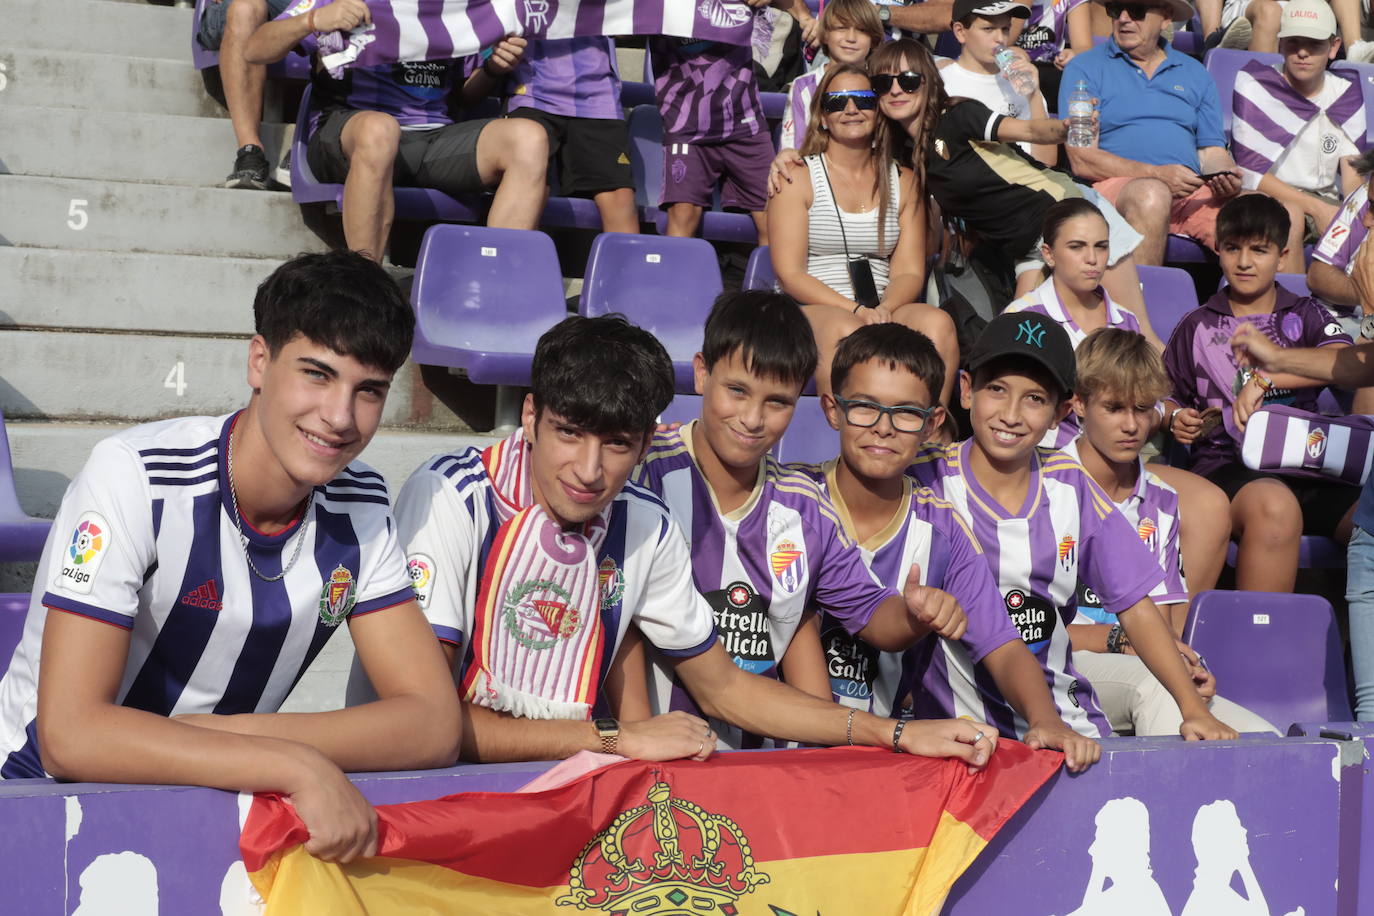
(1265, 815)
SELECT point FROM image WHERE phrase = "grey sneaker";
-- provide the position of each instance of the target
(1238, 35)
(250, 169)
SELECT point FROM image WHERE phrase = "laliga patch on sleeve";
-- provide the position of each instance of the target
(421, 569)
(85, 552)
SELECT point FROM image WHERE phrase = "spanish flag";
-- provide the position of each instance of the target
(819, 831)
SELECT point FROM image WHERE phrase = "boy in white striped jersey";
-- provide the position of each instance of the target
(886, 379)
(197, 565)
(1120, 379)
(1044, 524)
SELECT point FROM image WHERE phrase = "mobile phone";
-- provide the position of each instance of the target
(1211, 419)
(1208, 176)
(861, 281)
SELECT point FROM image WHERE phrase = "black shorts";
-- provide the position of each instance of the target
(444, 158)
(592, 153)
(1323, 503)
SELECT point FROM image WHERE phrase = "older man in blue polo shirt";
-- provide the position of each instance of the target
(1161, 158)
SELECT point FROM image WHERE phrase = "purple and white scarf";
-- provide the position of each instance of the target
(1268, 114)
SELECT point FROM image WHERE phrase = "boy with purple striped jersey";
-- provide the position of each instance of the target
(767, 546)
(198, 565)
(1269, 512)
(886, 379)
(1333, 260)
(713, 123)
(571, 87)
(1044, 524)
(539, 628)
(1120, 379)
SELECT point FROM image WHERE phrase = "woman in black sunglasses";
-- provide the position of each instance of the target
(847, 236)
(965, 157)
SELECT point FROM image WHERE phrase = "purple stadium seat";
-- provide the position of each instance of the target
(1224, 64)
(1179, 249)
(758, 273)
(665, 285)
(1188, 42)
(424, 204)
(1314, 552)
(1169, 295)
(1278, 655)
(809, 438)
(1364, 73)
(21, 535)
(482, 299)
(295, 66)
(14, 610)
(684, 409)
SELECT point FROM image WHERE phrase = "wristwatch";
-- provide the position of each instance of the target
(884, 14)
(1367, 328)
(1116, 638)
(608, 730)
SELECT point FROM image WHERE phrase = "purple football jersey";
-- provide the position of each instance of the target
(760, 566)
(706, 90)
(1204, 373)
(1065, 530)
(574, 77)
(415, 93)
(927, 531)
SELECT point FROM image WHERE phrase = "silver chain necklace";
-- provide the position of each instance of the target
(243, 538)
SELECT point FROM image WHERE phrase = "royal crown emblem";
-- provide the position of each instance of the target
(667, 858)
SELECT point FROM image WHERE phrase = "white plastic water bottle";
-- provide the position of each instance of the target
(1020, 80)
(1082, 129)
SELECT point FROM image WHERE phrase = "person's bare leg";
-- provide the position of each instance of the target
(1209, 12)
(243, 82)
(369, 140)
(830, 325)
(1268, 523)
(1293, 262)
(939, 327)
(1204, 525)
(1264, 20)
(1026, 282)
(1145, 204)
(513, 157)
(1122, 282)
(683, 220)
(617, 210)
(1347, 20)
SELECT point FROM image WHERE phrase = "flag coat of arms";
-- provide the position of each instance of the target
(829, 831)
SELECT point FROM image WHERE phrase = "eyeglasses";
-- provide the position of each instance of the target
(863, 99)
(903, 419)
(908, 80)
(1136, 11)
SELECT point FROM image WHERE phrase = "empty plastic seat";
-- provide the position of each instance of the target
(21, 535)
(14, 610)
(758, 273)
(1278, 655)
(665, 285)
(482, 299)
(1169, 295)
(809, 438)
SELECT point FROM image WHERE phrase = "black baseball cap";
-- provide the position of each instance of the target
(1032, 336)
(989, 8)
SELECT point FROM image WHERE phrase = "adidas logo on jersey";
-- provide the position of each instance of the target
(207, 596)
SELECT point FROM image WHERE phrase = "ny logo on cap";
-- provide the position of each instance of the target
(1033, 332)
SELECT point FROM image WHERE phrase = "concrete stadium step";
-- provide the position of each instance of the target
(102, 82)
(125, 216)
(118, 146)
(105, 28)
(79, 290)
(90, 376)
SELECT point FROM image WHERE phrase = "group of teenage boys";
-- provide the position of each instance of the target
(592, 583)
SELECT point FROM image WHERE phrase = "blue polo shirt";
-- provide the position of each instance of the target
(1163, 120)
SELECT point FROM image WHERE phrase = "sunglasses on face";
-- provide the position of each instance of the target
(863, 99)
(1136, 11)
(908, 80)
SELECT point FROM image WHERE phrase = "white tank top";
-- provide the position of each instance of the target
(825, 245)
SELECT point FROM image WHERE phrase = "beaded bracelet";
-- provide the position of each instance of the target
(897, 736)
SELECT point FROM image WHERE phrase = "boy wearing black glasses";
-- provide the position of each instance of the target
(885, 378)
